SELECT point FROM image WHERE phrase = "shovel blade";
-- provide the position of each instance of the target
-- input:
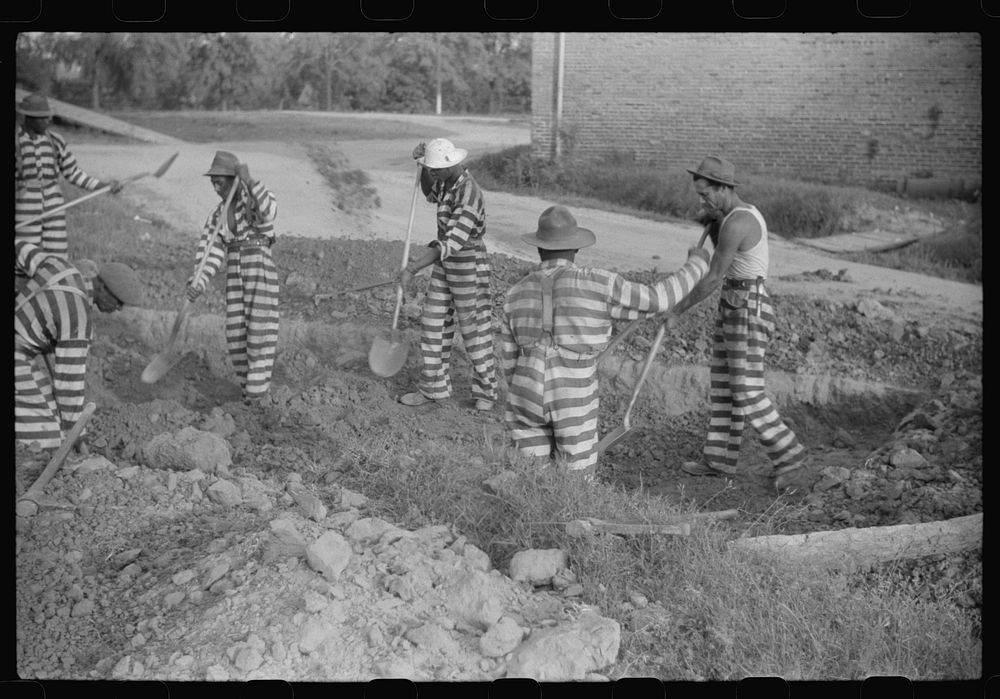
(159, 366)
(387, 357)
(612, 438)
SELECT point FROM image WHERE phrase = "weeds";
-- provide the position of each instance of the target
(792, 208)
(720, 614)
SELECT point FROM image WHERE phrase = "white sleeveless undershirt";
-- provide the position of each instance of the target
(752, 263)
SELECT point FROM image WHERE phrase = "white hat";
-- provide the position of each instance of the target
(442, 153)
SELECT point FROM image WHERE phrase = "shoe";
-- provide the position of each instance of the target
(789, 477)
(700, 468)
(483, 404)
(414, 399)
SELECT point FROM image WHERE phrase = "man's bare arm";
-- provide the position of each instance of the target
(732, 235)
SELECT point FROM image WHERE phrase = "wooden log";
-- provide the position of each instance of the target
(861, 548)
(586, 527)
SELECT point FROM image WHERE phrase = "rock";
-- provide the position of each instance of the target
(254, 494)
(563, 579)
(219, 422)
(475, 598)
(91, 464)
(434, 534)
(311, 506)
(501, 638)
(339, 520)
(638, 600)
(120, 560)
(286, 539)
(329, 555)
(183, 577)
(842, 439)
(476, 558)
(568, 651)
(918, 419)
(216, 673)
(433, 639)
(537, 566)
(314, 633)
(368, 529)
(248, 659)
(188, 449)
(314, 602)
(172, 599)
(574, 590)
(350, 499)
(907, 458)
(83, 608)
(873, 309)
(214, 574)
(225, 493)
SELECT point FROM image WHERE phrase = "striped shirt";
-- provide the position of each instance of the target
(44, 156)
(585, 300)
(461, 214)
(52, 312)
(254, 213)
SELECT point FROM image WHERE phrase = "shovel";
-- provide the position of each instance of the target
(165, 360)
(619, 433)
(128, 180)
(387, 357)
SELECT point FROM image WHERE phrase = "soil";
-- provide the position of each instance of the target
(879, 372)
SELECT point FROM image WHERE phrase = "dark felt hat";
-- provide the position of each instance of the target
(34, 106)
(716, 169)
(557, 230)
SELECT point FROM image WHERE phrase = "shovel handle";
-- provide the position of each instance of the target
(406, 248)
(645, 369)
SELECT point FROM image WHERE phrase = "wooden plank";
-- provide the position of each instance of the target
(860, 548)
(101, 122)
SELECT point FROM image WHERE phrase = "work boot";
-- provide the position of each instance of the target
(701, 468)
(414, 399)
(791, 477)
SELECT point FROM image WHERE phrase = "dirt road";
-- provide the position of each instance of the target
(624, 242)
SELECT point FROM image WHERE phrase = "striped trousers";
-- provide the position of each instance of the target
(251, 317)
(552, 405)
(737, 383)
(458, 292)
(49, 233)
(38, 414)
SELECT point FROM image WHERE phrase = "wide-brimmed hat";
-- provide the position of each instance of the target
(224, 163)
(34, 106)
(123, 282)
(716, 169)
(557, 230)
(442, 153)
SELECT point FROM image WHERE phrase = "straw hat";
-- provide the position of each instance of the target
(442, 153)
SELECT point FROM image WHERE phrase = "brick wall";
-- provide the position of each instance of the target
(856, 108)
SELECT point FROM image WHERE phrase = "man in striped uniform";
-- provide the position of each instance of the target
(459, 288)
(743, 326)
(52, 320)
(559, 317)
(246, 233)
(40, 156)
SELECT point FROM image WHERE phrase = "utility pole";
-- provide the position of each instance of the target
(557, 95)
(437, 71)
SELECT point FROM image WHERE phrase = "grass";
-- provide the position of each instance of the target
(352, 190)
(719, 614)
(792, 208)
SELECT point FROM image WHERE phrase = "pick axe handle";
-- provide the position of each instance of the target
(62, 207)
(26, 504)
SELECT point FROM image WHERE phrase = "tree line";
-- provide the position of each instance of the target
(470, 72)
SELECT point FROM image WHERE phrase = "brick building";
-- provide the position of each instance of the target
(853, 108)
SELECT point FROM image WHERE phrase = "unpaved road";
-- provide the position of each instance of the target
(624, 242)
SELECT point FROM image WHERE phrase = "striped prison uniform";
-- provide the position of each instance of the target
(458, 291)
(251, 284)
(38, 162)
(52, 324)
(744, 324)
(552, 401)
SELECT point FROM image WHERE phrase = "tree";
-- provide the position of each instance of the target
(221, 70)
